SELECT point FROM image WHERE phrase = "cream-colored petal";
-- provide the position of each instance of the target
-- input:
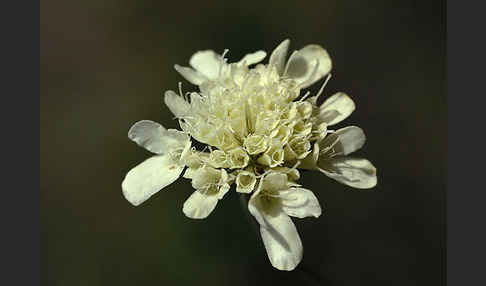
(207, 63)
(177, 105)
(224, 188)
(175, 140)
(336, 108)
(149, 177)
(199, 205)
(148, 134)
(156, 139)
(321, 130)
(275, 181)
(206, 176)
(189, 173)
(292, 173)
(279, 234)
(191, 75)
(357, 173)
(300, 202)
(309, 65)
(273, 157)
(245, 182)
(278, 56)
(238, 158)
(253, 58)
(255, 144)
(219, 159)
(349, 139)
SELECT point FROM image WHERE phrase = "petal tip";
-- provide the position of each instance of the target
(127, 195)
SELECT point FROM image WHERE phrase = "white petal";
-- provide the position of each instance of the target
(199, 206)
(336, 108)
(350, 139)
(177, 105)
(300, 202)
(278, 56)
(357, 173)
(148, 134)
(149, 177)
(253, 58)
(190, 75)
(207, 63)
(280, 237)
(301, 65)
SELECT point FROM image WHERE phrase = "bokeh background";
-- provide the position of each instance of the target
(105, 65)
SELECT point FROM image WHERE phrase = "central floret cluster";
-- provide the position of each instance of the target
(252, 121)
(258, 130)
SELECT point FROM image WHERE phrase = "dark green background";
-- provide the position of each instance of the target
(105, 64)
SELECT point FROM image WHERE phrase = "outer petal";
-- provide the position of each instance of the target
(155, 138)
(278, 56)
(336, 108)
(148, 134)
(207, 63)
(302, 65)
(300, 202)
(199, 205)
(280, 237)
(177, 105)
(253, 58)
(190, 75)
(349, 138)
(357, 173)
(149, 177)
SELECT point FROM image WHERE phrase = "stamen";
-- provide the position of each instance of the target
(294, 167)
(324, 151)
(336, 153)
(187, 96)
(305, 96)
(323, 86)
(264, 174)
(180, 89)
(223, 61)
(224, 53)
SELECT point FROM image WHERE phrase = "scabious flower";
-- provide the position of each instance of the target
(259, 130)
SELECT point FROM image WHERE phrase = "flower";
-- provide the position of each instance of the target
(258, 133)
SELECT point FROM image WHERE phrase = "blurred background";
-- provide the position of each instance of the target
(105, 65)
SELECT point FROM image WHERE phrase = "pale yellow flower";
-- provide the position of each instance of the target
(259, 129)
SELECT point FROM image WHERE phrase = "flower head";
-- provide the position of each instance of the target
(259, 130)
